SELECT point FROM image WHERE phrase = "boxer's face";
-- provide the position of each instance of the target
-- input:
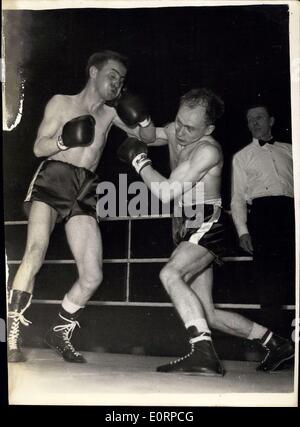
(190, 124)
(109, 79)
(260, 123)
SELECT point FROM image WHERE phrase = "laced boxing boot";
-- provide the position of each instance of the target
(18, 302)
(279, 351)
(59, 336)
(201, 360)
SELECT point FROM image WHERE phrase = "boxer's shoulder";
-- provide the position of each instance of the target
(169, 128)
(59, 100)
(208, 139)
(169, 131)
(209, 148)
(106, 110)
(208, 143)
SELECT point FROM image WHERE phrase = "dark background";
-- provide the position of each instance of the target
(241, 52)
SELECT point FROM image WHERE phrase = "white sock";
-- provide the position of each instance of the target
(201, 326)
(69, 306)
(257, 332)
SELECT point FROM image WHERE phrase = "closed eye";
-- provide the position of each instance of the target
(188, 128)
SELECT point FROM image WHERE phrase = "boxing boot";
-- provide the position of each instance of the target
(278, 352)
(201, 360)
(18, 302)
(59, 336)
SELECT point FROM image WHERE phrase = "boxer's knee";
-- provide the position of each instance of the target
(169, 275)
(90, 278)
(34, 256)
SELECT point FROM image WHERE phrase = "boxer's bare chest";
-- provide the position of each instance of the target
(87, 157)
(180, 155)
(103, 116)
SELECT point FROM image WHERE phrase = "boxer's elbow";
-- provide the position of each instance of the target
(166, 198)
(148, 134)
(165, 195)
(166, 190)
(37, 151)
(148, 139)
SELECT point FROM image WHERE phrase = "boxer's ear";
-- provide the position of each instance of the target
(272, 121)
(93, 71)
(209, 129)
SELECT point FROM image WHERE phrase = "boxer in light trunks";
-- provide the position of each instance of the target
(72, 136)
(196, 157)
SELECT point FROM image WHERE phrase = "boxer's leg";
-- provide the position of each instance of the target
(41, 222)
(278, 349)
(186, 261)
(227, 322)
(85, 241)
(84, 238)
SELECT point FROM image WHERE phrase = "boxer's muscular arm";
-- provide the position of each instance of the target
(184, 176)
(145, 134)
(161, 138)
(46, 142)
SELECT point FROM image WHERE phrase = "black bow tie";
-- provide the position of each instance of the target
(262, 143)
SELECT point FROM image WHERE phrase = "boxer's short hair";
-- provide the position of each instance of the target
(205, 97)
(99, 59)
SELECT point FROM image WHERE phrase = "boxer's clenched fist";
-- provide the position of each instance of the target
(134, 152)
(78, 132)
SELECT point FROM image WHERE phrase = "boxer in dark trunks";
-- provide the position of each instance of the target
(196, 162)
(72, 136)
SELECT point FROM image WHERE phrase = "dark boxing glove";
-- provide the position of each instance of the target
(134, 152)
(78, 132)
(132, 111)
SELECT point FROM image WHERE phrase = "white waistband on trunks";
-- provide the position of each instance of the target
(216, 202)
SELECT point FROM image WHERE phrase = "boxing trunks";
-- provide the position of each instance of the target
(69, 189)
(205, 228)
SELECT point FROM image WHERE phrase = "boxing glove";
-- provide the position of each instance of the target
(132, 111)
(78, 132)
(134, 152)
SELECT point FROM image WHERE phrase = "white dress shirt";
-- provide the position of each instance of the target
(259, 171)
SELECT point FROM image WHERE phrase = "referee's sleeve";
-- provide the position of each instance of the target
(238, 196)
